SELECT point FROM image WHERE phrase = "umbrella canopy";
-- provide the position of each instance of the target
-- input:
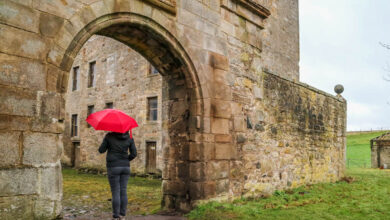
(111, 120)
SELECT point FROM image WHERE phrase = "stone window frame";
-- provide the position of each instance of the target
(109, 103)
(74, 125)
(91, 83)
(148, 108)
(75, 78)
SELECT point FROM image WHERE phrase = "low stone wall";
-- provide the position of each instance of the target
(294, 135)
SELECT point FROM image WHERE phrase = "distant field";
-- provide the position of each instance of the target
(358, 149)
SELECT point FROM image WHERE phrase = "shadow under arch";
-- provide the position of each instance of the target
(183, 104)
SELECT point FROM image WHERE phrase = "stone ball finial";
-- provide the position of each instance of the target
(339, 89)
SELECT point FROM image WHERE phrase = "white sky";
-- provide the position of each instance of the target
(339, 42)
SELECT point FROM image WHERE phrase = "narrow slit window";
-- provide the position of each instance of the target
(75, 78)
(152, 109)
(74, 131)
(91, 74)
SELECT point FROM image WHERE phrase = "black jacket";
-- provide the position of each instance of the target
(118, 145)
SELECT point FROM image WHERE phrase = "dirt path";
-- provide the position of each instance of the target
(108, 216)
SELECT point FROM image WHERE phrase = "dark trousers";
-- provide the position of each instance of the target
(118, 178)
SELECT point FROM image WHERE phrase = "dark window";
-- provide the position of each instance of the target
(109, 105)
(152, 70)
(91, 74)
(76, 71)
(74, 126)
(152, 109)
(151, 156)
(91, 109)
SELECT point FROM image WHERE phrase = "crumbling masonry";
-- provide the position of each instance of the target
(236, 118)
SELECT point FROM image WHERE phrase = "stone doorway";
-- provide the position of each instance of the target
(151, 157)
(181, 103)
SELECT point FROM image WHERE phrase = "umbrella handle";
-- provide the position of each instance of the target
(131, 133)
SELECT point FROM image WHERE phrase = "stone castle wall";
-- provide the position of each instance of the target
(122, 77)
(234, 116)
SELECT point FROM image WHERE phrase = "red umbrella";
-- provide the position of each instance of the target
(111, 120)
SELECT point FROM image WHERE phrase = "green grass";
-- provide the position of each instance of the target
(93, 191)
(368, 197)
(358, 149)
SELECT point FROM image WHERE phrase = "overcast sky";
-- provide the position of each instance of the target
(339, 41)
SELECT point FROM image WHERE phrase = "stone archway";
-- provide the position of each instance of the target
(251, 126)
(182, 103)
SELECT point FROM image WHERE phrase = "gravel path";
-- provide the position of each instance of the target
(69, 214)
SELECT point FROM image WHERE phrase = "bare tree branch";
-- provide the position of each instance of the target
(387, 46)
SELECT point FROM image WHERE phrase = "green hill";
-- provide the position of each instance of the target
(358, 148)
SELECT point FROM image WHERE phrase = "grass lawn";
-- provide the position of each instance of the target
(90, 190)
(358, 149)
(368, 197)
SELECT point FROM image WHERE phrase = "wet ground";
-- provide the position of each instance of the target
(94, 214)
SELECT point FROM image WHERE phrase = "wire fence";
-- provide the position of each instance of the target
(369, 130)
(355, 163)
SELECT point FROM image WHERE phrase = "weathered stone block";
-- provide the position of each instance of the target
(19, 15)
(222, 186)
(239, 123)
(17, 101)
(173, 187)
(46, 125)
(41, 148)
(224, 151)
(196, 190)
(209, 189)
(9, 148)
(197, 171)
(217, 170)
(22, 43)
(54, 78)
(202, 151)
(222, 92)
(51, 183)
(218, 61)
(21, 72)
(17, 207)
(223, 77)
(221, 108)
(49, 105)
(16, 123)
(257, 92)
(223, 138)
(49, 24)
(45, 209)
(57, 7)
(220, 126)
(18, 182)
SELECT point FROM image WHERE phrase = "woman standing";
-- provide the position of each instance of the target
(118, 160)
